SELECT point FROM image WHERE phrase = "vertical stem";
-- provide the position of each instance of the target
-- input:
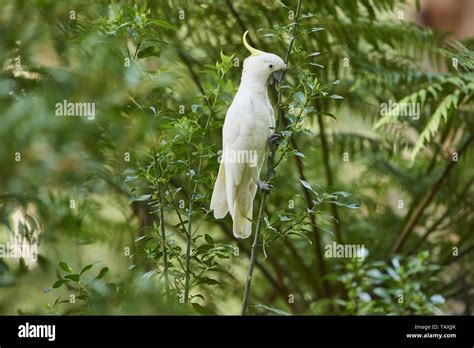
(297, 17)
(435, 225)
(188, 250)
(253, 257)
(425, 202)
(192, 190)
(287, 58)
(163, 242)
(189, 234)
(270, 176)
(162, 227)
(317, 242)
(299, 164)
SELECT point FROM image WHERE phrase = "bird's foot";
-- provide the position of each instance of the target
(264, 186)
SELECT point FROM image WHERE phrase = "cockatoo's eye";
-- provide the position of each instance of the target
(271, 66)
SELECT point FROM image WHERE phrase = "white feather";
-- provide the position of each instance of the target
(248, 124)
(219, 198)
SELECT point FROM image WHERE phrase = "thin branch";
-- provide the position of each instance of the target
(425, 202)
(266, 273)
(162, 225)
(270, 176)
(329, 177)
(299, 164)
(253, 257)
(435, 225)
(190, 209)
(317, 243)
(434, 160)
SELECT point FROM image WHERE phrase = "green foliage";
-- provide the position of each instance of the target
(79, 286)
(181, 164)
(404, 287)
(445, 97)
(131, 187)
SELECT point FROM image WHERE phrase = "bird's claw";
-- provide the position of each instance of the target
(264, 186)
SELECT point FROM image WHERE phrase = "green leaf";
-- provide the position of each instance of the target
(341, 193)
(129, 10)
(271, 309)
(437, 299)
(396, 263)
(198, 308)
(86, 268)
(347, 205)
(209, 239)
(315, 29)
(72, 277)
(102, 272)
(365, 297)
(306, 185)
(382, 293)
(148, 52)
(129, 171)
(208, 281)
(316, 64)
(129, 178)
(148, 275)
(450, 101)
(162, 23)
(335, 96)
(139, 238)
(284, 218)
(300, 98)
(393, 274)
(65, 267)
(58, 283)
(140, 198)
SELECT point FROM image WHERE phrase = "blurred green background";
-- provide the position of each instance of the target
(161, 75)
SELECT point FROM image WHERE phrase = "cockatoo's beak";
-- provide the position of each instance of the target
(276, 77)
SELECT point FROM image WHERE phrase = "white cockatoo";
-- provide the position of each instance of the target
(249, 124)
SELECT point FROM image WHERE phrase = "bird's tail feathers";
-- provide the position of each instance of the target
(242, 226)
(219, 197)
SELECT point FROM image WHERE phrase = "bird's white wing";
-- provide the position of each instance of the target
(230, 174)
(237, 138)
(245, 133)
